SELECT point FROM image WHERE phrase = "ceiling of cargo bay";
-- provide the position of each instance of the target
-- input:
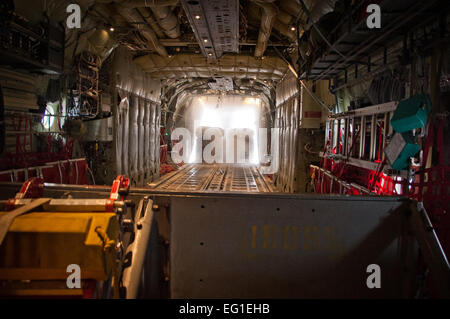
(208, 46)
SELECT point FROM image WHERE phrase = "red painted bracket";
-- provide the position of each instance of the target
(32, 188)
(120, 189)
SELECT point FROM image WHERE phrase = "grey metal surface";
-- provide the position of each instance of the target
(278, 246)
(99, 130)
(222, 84)
(241, 179)
(358, 40)
(215, 24)
(138, 250)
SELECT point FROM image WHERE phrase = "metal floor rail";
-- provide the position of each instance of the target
(215, 178)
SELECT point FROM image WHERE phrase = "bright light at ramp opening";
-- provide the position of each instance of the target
(227, 113)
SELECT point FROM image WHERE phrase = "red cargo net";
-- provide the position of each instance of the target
(53, 164)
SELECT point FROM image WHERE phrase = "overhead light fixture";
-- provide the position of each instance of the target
(251, 100)
(292, 28)
(111, 29)
(197, 17)
(210, 54)
(205, 40)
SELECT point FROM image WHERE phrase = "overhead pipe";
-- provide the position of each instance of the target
(269, 15)
(285, 17)
(293, 7)
(314, 10)
(282, 24)
(284, 29)
(150, 19)
(161, 9)
(167, 20)
(133, 17)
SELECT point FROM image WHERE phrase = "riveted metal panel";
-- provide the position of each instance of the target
(280, 246)
(215, 24)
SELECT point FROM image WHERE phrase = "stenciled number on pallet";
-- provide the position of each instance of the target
(292, 238)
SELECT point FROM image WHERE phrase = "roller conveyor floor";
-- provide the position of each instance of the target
(215, 178)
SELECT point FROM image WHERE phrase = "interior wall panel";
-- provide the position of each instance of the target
(141, 145)
(133, 139)
(147, 150)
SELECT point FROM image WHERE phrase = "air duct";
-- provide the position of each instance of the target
(161, 10)
(134, 18)
(285, 17)
(230, 65)
(148, 16)
(284, 29)
(270, 12)
(317, 9)
(167, 20)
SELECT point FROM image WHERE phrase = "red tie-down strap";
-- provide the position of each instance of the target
(120, 188)
(32, 188)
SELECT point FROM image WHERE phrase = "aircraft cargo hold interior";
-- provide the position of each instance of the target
(224, 149)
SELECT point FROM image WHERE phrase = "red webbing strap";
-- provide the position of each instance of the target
(375, 178)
